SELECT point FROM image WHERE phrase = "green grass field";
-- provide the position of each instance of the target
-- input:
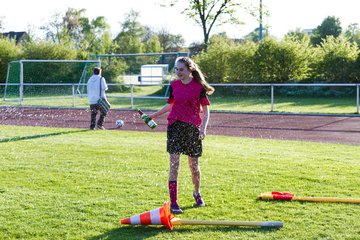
(77, 184)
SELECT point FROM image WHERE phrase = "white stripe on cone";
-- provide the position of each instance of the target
(135, 219)
(155, 216)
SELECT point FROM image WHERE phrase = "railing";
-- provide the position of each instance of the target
(272, 87)
(132, 95)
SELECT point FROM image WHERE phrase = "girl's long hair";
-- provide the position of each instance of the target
(196, 73)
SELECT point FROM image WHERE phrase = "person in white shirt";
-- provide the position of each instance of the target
(93, 89)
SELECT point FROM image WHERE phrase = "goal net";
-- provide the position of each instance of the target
(31, 78)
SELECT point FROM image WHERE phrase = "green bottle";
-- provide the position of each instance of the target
(151, 123)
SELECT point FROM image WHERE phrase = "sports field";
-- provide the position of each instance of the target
(71, 183)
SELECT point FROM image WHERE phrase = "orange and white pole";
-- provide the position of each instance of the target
(177, 221)
(284, 196)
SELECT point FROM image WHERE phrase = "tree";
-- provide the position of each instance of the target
(337, 58)
(96, 35)
(254, 35)
(74, 29)
(353, 33)
(132, 32)
(170, 42)
(298, 34)
(55, 31)
(152, 45)
(134, 37)
(196, 47)
(331, 26)
(1, 24)
(210, 13)
(75, 23)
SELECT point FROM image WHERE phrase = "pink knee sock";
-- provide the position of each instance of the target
(173, 191)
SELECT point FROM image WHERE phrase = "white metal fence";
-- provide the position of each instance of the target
(272, 88)
(131, 95)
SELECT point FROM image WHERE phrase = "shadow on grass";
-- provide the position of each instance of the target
(14, 139)
(131, 232)
(147, 231)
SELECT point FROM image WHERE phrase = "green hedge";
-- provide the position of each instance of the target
(336, 60)
(290, 60)
(8, 52)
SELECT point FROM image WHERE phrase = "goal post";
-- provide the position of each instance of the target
(144, 69)
(35, 74)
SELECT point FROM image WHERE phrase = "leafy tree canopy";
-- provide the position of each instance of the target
(331, 26)
(209, 13)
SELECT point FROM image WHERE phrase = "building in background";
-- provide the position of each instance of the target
(20, 37)
(308, 31)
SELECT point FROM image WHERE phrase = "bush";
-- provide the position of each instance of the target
(338, 57)
(280, 62)
(215, 61)
(50, 51)
(9, 51)
(266, 62)
(355, 72)
(240, 63)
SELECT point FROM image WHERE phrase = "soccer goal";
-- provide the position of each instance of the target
(45, 78)
(137, 69)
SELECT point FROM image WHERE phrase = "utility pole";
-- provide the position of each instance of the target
(260, 20)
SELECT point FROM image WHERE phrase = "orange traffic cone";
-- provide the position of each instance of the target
(159, 216)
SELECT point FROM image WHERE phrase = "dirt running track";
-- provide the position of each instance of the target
(331, 129)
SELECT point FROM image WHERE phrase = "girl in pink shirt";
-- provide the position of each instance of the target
(186, 125)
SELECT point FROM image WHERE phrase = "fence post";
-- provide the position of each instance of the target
(272, 97)
(357, 98)
(21, 84)
(132, 96)
(73, 95)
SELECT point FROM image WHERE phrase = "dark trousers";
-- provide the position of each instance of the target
(95, 108)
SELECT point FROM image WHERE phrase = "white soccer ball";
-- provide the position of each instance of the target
(119, 123)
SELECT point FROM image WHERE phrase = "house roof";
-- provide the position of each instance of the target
(18, 36)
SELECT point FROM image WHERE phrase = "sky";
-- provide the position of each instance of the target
(284, 15)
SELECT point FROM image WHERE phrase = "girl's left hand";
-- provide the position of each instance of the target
(202, 135)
